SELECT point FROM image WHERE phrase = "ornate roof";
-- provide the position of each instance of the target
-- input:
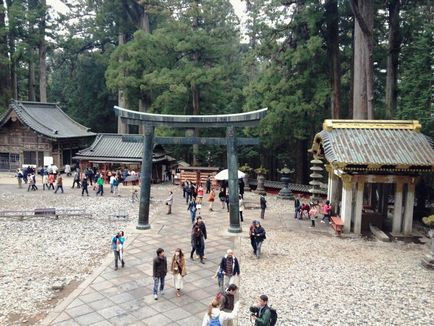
(46, 119)
(115, 148)
(374, 145)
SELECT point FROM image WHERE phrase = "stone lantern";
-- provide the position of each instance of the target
(260, 172)
(247, 170)
(285, 193)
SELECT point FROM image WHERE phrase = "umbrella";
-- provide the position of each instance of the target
(223, 175)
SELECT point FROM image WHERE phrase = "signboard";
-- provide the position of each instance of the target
(48, 160)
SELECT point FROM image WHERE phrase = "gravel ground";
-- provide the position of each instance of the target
(313, 278)
(40, 256)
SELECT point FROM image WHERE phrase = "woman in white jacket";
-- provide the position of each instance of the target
(215, 313)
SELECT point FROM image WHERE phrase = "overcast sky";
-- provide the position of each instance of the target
(238, 6)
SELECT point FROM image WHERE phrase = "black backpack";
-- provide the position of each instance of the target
(273, 318)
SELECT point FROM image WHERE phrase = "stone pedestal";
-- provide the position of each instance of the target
(285, 193)
(246, 182)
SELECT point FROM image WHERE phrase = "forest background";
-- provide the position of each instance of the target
(305, 61)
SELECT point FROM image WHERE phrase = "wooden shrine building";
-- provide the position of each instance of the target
(370, 165)
(110, 151)
(30, 131)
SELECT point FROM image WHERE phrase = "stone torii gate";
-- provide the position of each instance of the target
(148, 121)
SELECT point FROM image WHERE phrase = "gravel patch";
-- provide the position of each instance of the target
(313, 279)
(42, 255)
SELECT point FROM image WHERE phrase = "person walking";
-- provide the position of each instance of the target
(30, 178)
(84, 186)
(201, 224)
(19, 176)
(76, 180)
(215, 316)
(45, 181)
(227, 301)
(159, 271)
(259, 234)
(208, 184)
(59, 184)
(179, 270)
(222, 197)
(51, 181)
(169, 203)
(252, 236)
(241, 207)
(327, 211)
(116, 186)
(100, 183)
(297, 206)
(263, 204)
(230, 268)
(211, 199)
(313, 213)
(262, 315)
(117, 247)
(200, 192)
(192, 208)
(197, 243)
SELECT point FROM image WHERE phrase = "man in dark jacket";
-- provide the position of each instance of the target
(230, 268)
(259, 234)
(227, 301)
(263, 204)
(159, 272)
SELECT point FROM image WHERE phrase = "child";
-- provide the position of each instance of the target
(220, 277)
(134, 196)
(313, 214)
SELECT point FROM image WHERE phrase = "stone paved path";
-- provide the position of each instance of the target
(124, 297)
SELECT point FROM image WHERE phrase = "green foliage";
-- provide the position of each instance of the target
(429, 221)
(416, 100)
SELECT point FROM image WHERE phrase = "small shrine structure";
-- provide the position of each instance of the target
(371, 164)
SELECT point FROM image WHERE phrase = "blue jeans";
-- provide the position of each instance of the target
(156, 281)
(258, 248)
(193, 216)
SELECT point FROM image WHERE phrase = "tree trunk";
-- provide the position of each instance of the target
(42, 55)
(31, 80)
(301, 165)
(196, 111)
(363, 62)
(122, 101)
(392, 59)
(5, 77)
(332, 18)
(13, 65)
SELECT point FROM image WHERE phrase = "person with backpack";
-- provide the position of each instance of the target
(117, 247)
(227, 301)
(216, 317)
(84, 186)
(252, 236)
(230, 267)
(262, 314)
(259, 234)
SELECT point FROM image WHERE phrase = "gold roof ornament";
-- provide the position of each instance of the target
(330, 124)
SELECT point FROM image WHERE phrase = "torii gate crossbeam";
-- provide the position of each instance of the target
(229, 121)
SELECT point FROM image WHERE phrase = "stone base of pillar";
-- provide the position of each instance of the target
(428, 261)
(235, 229)
(143, 226)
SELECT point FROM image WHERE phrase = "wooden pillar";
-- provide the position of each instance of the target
(397, 208)
(347, 201)
(359, 206)
(409, 206)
